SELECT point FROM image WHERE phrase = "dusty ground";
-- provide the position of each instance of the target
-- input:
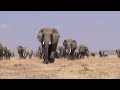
(92, 68)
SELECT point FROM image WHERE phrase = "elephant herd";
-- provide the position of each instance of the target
(24, 52)
(5, 53)
(49, 50)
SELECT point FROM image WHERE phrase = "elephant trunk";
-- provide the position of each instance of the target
(47, 51)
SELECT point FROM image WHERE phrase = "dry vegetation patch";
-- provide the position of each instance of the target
(89, 68)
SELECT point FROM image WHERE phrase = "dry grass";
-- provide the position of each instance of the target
(92, 68)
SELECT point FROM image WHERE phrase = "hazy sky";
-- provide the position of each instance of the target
(96, 29)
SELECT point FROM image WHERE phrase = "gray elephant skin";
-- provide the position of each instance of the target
(84, 51)
(40, 52)
(7, 53)
(118, 53)
(70, 46)
(1, 51)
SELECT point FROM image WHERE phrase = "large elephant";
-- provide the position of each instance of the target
(1, 51)
(49, 38)
(70, 46)
(118, 53)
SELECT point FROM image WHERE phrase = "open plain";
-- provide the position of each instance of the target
(88, 68)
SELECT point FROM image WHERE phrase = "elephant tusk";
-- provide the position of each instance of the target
(70, 51)
(43, 43)
(67, 51)
(49, 42)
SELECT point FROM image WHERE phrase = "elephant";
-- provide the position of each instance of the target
(7, 53)
(25, 52)
(1, 51)
(60, 52)
(77, 52)
(30, 54)
(70, 46)
(41, 52)
(49, 38)
(84, 51)
(37, 54)
(13, 54)
(87, 52)
(57, 54)
(103, 53)
(20, 50)
(118, 53)
(100, 53)
(92, 54)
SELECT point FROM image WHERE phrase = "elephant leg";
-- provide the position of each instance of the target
(71, 56)
(46, 61)
(81, 56)
(119, 56)
(40, 55)
(43, 55)
(9, 57)
(52, 57)
(76, 56)
(68, 56)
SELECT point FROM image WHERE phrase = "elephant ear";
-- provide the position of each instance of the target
(40, 35)
(55, 35)
(64, 43)
(74, 44)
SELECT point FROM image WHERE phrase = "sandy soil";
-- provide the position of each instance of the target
(92, 68)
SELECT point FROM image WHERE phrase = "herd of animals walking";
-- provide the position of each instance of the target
(49, 50)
